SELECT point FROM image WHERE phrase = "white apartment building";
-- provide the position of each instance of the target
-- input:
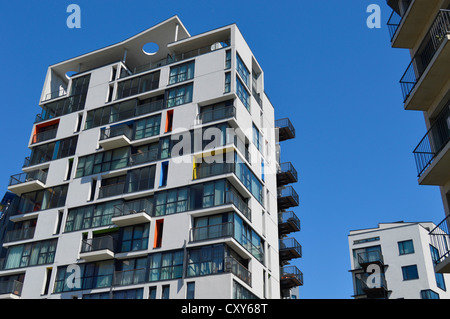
(155, 175)
(396, 261)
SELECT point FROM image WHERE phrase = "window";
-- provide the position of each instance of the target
(138, 85)
(52, 151)
(102, 162)
(227, 82)
(428, 294)
(148, 127)
(242, 70)
(165, 292)
(90, 216)
(141, 179)
(43, 199)
(171, 202)
(228, 59)
(182, 72)
(135, 238)
(257, 138)
(190, 290)
(37, 253)
(164, 171)
(206, 260)
(405, 247)
(159, 225)
(440, 281)
(242, 93)
(410, 272)
(152, 293)
(167, 265)
(169, 121)
(179, 95)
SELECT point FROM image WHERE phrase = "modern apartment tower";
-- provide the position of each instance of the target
(396, 261)
(155, 174)
(423, 27)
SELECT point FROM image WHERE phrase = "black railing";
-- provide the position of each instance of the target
(285, 129)
(433, 142)
(290, 244)
(116, 131)
(370, 257)
(440, 239)
(433, 40)
(288, 192)
(98, 243)
(176, 58)
(212, 169)
(19, 234)
(291, 273)
(133, 207)
(289, 217)
(11, 287)
(396, 18)
(239, 270)
(216, 114)
(232, 197)
(288, 168)
(44, 136)
(112, 190)
(21, 178)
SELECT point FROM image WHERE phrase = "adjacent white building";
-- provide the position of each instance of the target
(155, 174)
(396, 260)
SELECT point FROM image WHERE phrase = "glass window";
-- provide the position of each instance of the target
(167, 265)
(242, 70)
(228, 59)
(179, 95)
(243, 94)
(410, 272)
(227, 82)
(148, 127)
(190, 290)
(405, 247)
(182, 72)
(135, 238)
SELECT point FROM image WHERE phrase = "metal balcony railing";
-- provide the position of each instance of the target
(44, 136)
(370, 257)
(19, 234)
(212, 232)
(216, 114)
(112, 190)
(133, 207)
(396, 18)
(177, 58)
(433, 142)
(21, 178)
(212, 169)
(291, 274)
(433, 40)
(440, 239)
(98, 243)
(11, 287)
(129, 277)
(116, 131)
(285, 218)
(55, 94)
(291, 246)
(287, 197)
(285, 129)
(286, 174)
(232, 197)
(239, 270)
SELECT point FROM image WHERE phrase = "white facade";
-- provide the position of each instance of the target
(97, 164)
(403, 254)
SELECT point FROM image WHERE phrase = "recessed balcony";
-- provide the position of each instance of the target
(286, 130)
(288, 223)
(98, 248)
(116, 137)
(11, 289)
(370, 257)
(286, 174)
(432, 155)
(27, 182)
(287, 197)
(374, 288)
(440, 240)
(427, 74)
(407, 20)
(132, 213)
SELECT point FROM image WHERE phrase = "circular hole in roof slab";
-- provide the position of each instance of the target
(150, 48)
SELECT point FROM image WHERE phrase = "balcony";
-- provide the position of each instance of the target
(289, 249)
(428, 71)
(287, 197)
(216, 114)
(116, 137)
(213, 169)
(99, 248)
(11, 289)
(27, 182)
(286, 174)
(212, 232)
(370, 257)
(374, 288)
(44, 136)
(407, 21)
(432, 155)
(440, 239)
(237, 269)
(129, 277)
(288, 223)
(132, 213)
(19, 234)
(290, 277)
(286, 130)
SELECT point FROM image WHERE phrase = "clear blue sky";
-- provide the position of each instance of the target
(336, 79)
